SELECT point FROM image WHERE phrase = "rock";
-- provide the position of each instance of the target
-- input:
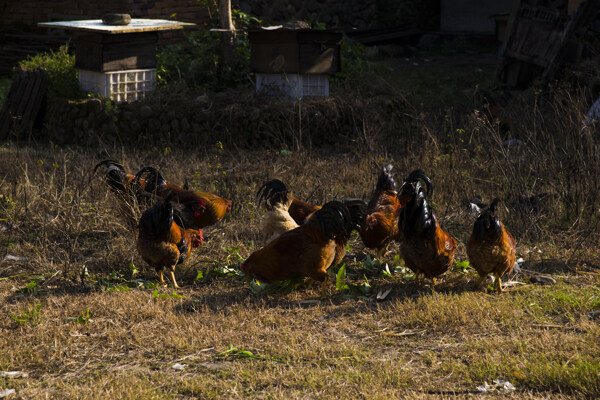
(146, 112)
(135, 126)
(95, 105)
(542, 280)
(116, 19)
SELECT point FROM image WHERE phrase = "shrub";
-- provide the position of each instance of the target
(60, 66)
(196, 60)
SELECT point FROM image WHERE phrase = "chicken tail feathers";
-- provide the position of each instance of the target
(416, 218)
(414, 179)
(334, 219)
(116, 176)
(385, 180)
(273, 192)
(358, 211)
(157, 220)
(154, 178)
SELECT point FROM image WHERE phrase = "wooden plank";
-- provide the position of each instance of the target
(23, 102)
(37, 94)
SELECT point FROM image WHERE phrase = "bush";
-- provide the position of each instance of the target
(60, 66)
(196, 61)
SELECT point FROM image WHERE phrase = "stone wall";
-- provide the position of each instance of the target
(240, 120)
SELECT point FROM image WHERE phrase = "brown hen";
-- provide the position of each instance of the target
(307, 251)
(491, 247)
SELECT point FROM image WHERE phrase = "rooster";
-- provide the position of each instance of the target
(426, 248)
(380, 225)
(197, 209)
(491, 247)
(162, 242)
(299, 210)
(308, 250)
(120, 181)
(278, 201)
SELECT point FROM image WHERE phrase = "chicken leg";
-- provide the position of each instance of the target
(172, 271)
(324, 286)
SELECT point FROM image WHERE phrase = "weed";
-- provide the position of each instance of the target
(83, 318)
(355, 290)
(31, 316)
(32, 287)
(174, 295)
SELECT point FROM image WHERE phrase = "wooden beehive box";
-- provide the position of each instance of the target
(300, 51)
(105, 52)
(105, 48)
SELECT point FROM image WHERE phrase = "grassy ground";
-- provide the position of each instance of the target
(82, 315)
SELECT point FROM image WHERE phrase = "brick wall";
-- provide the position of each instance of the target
(25, 14)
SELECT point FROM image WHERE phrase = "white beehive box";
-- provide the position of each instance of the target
(120, 86)
(293, 86)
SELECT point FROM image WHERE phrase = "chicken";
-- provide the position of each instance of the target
(491, 247)
(120, 181)
(357, 209)
(380, 225)
(197, 209)
(299, 210)
(162, 242)
(426, 248)
(308, 250)
(277, 218)
(474, 206)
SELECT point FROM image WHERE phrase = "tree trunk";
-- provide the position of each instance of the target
(227, 37)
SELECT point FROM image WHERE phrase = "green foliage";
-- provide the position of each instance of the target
(236, 353)
(174, 295)
(83, 318)
(31, 287)
(62, 74)
(31, 316)
(196, 60)
(7, 208)
(355, 290)
(354, 63)
(286, 286)
(232, 270)
(118, 283)
(233, 256)
(461, 266)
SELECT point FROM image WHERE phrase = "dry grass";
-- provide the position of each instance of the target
(418, 343)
